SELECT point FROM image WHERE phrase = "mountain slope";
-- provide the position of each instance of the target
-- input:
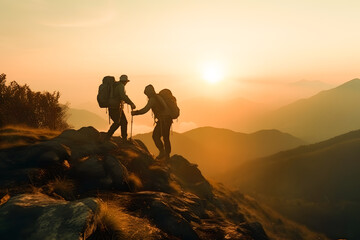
(317, 184)
(327, 114)
(217, 150)
(90, 189)
(79, 118)
(232, 114)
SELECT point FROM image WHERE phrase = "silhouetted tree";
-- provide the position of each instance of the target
(21, 106)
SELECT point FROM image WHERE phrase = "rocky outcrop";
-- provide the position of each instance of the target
(75, 186)
(37, 216)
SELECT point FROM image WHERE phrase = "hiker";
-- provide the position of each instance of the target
(163, 121)
(116, 112)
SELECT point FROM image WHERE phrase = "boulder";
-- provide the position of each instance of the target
(139, 164)
(190, 177)
(81, 136)
(117, 172)
(37, 216)
(84, 142)
(89, 167)
(171, 214)
(43, 154)
(255, 230)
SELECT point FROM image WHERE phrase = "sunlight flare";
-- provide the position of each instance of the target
(212, 72)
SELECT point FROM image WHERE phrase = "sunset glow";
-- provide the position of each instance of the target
(213, 73)
(221, 49)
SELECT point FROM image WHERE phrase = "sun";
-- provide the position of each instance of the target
(212, 73)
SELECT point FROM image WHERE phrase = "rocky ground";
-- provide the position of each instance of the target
(71, 185)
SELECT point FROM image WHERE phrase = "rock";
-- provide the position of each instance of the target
(170, 221)
(81, 136)
(255, 229)
(48, 154)
(157, 178)
(37, 216)
(21, 177)
(139, 164)
(187, 171)
(84, 150)
(41, 155)
(141, 145)
(190, 177)
(117, 172)
(89, 167)
(172, 215)
(107, 146)
(84, 142)
(89, 134)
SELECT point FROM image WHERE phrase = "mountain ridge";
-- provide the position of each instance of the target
(314, 184)
(322, 116)
(78, 118)
(206, 146)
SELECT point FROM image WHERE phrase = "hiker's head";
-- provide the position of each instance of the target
(124, 79)
(149, 90)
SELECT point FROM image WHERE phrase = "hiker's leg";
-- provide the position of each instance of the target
(115, 116)
(166, 136)
(123, 124)
(157, 138)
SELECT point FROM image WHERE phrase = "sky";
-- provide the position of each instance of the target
(218, 49)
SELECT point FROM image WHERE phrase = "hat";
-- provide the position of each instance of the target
(124, 78)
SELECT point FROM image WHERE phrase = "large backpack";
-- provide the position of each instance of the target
(106, 97)
(170, 101)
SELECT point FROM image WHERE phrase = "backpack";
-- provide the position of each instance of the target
(106, 97)
(170, 101)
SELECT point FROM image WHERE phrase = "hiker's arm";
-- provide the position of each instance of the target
(125, 97)
(144, 109)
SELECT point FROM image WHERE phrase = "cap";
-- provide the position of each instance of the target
(124, 78)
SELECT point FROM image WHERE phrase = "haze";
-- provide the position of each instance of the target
(220, 50)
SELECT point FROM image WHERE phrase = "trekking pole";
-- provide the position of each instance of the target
(132, 122)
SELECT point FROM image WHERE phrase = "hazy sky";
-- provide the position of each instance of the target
(69, 45)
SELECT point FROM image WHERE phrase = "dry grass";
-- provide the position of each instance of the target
(12, 136)
(135, 182)
(4, 199)
(62, 187)
(113, 222)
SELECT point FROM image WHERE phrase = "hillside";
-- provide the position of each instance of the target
(317, 185)
(74, 186)
(78, 118)
(217, 150)
(233, 113)
(325, 115)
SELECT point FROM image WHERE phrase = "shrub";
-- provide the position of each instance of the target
(21, 106)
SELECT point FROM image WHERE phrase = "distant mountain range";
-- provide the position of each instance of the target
(231, 114)
(324, 115)
(327, 114)
(217, 150)
(313, 85)
(317, 185)
(81, 118)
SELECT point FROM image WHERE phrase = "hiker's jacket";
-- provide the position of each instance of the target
(120, 94)
(157, 105)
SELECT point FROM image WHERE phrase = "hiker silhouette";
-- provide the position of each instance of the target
(116, 112)
(163, 121)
